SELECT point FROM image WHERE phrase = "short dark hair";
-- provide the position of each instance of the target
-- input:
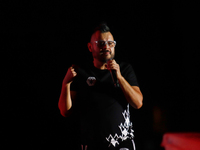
(102, 28)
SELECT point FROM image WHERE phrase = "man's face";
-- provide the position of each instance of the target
(101, 50)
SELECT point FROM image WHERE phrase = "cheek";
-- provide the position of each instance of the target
(113, 50)
(93, 47)
(95, 51)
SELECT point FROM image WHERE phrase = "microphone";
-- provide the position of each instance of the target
(114, 77)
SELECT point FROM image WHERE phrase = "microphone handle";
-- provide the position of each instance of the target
(114, 78)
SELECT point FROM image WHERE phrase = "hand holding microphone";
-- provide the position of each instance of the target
(114, 69)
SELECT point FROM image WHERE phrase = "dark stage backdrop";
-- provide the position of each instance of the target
(40, 40)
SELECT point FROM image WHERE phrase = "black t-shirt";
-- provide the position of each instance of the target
(102, 107)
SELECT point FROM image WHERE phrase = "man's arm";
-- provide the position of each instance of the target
(132, 93)
(67, 96)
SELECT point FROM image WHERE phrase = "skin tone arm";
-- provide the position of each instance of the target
(132, 93)
(67, 96)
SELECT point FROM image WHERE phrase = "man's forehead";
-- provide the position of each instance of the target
(102, 36)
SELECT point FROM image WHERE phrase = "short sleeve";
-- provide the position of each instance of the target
(129, 74)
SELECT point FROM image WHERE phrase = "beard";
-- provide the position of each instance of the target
(103, 55)
(104, 58)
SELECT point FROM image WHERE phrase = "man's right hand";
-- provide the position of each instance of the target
(71, 73)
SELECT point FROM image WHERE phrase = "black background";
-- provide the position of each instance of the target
(41, 39)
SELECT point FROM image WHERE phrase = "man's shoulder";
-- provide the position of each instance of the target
(124, 65)
(83, 66)
(83, 69)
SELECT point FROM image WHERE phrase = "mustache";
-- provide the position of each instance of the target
(105, 51)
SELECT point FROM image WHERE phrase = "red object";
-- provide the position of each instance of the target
(181, 141)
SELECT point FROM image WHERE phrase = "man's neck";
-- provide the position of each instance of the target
(100, 65)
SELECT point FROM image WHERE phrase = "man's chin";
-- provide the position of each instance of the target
(105, 59)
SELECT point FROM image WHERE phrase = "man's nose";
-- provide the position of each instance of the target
(106, 46)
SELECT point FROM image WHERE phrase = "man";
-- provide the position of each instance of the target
(100, 94)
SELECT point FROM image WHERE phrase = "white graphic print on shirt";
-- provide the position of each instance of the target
(91, 81)
(126, 130)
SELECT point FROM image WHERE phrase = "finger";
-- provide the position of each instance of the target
(115, 66)
(71, 69)
(74, 73)
(113, 61)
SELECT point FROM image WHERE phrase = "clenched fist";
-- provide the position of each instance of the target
(71, 73)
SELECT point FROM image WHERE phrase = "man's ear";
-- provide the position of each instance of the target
(89, 47)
